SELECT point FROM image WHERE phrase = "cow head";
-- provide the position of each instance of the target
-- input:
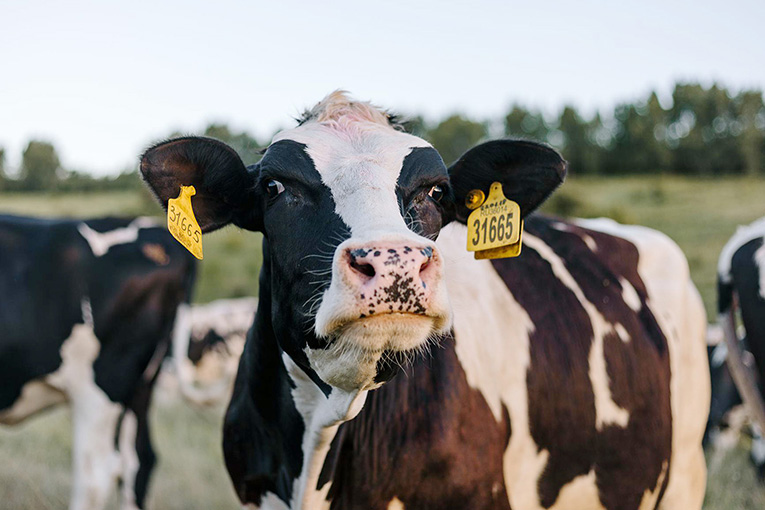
(349, 206)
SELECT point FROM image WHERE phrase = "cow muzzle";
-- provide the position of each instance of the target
(390, 277)
(386, 295)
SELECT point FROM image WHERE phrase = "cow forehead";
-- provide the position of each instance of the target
(336, 151)
(360, 163)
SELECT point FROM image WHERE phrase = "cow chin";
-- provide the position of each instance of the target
(358, 348)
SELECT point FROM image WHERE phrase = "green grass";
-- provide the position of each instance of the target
(189, 475)
(699, 214)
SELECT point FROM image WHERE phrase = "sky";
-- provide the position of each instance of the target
(102, 80)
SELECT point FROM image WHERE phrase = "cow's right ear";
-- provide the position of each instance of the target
(225, 189)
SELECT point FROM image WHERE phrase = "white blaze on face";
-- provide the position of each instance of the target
(360, 162)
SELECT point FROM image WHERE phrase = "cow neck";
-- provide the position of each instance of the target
(322, 415)
(322, 408)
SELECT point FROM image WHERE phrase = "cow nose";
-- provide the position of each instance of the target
(389, 277)
(368, 263)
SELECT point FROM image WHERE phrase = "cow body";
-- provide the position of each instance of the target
(86, 315)
(571, 377)
(741, 290)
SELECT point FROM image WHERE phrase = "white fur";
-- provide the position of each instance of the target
(270, 501)
(681, 316)
(624, 336)
(743, 235)
(758, 450)
(492, 343)
(630, 295)
(35, 396)
(129, 459)
(322, 416)
(719, 355)
(96, 464)
(759, 259)
(588, 240)
(101, 242)
(360, 164)
(581, 493)
(395, 504)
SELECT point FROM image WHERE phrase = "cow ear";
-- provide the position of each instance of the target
(225, 188)
(529, 172)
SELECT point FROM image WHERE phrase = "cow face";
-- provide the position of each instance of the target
(350, 207)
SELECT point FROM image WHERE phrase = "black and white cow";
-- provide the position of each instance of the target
(86, 315)
(573, 376)
(741, 290)
(208, 340)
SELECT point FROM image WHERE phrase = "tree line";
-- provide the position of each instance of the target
(707, 131)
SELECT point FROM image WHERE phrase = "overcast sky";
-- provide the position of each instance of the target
(102, 79)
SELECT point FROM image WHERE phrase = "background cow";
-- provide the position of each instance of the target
(573, 376)
(208, 340)
(741, 294)
(86, 314)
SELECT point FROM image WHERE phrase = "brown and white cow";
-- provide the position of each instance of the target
(571, 377)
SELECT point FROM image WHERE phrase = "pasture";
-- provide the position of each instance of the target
(699, 214)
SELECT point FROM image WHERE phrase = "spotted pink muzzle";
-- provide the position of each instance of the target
(391, 277)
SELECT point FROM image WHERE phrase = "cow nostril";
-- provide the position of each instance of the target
(365, 269)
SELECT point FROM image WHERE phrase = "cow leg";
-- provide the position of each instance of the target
(96, 463)
(136, 451)
(757, 453)
(687, 481)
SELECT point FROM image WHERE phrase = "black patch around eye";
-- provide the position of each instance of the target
(424, 216)
(437, 193)
(274, 188)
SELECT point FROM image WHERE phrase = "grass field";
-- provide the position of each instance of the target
(699, 214)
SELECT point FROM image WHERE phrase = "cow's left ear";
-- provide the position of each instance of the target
(225, 188)
(529, 172)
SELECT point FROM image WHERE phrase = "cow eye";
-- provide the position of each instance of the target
(274, 188)
(436, 193)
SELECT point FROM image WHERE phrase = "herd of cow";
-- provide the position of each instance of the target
(385, 367)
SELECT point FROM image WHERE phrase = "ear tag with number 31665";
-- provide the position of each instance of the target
(181, 221)
(495, 227)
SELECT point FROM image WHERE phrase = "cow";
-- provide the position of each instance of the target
(573, 376)
(87, 310)
(207, 342)
(741, 291)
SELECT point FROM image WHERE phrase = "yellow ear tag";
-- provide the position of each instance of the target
(495, 227)
(181, 221)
